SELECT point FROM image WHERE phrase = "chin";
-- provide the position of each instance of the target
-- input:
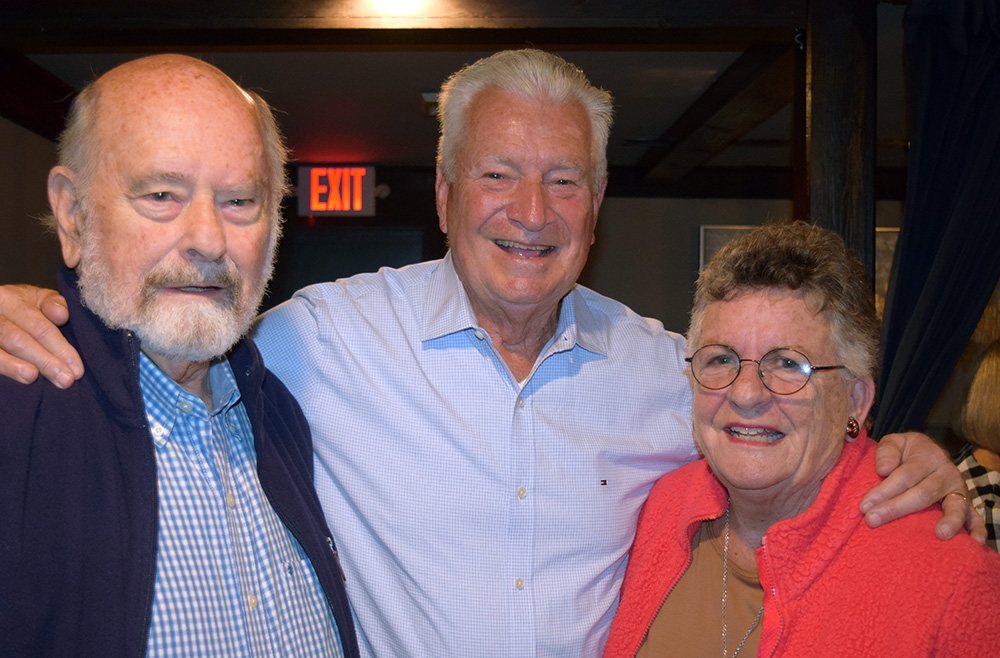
(194, 331)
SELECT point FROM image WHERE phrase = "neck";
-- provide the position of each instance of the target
(752, 513)
(519, 336)
(192, 376)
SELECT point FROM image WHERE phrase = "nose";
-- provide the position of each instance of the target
(528, 205)
(204, 234)
(748, 391)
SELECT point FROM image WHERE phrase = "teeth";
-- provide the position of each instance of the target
(508, 244)
(756, 434)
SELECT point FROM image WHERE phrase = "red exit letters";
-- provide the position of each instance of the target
(337, 194)
(336, 190)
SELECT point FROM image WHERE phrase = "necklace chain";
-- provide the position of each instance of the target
(725, 581)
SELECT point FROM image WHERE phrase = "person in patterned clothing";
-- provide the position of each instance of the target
(979, 461)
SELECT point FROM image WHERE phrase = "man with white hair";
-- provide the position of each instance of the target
(164, 505)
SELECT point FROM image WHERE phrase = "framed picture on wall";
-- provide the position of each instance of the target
(715, 236)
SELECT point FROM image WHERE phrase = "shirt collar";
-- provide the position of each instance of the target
(165, 399)
(447, 309)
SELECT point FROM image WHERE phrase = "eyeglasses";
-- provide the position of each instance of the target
(783, 371)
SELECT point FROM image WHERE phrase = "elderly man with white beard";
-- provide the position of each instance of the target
(164, 505)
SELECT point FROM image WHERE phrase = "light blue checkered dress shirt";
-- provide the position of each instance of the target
(230, 578)
(478, 516)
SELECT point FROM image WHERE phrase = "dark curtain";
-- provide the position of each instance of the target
(947, 259)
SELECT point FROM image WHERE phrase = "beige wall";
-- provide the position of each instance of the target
(646, 254)
(647, 250)
(27, 254)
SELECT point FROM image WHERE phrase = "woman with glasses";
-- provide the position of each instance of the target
(766, 552)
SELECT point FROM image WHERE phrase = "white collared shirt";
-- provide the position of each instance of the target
(476, 515)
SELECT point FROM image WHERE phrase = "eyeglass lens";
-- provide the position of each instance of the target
(783, 371)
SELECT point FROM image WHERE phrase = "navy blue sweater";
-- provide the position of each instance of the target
(78, 497)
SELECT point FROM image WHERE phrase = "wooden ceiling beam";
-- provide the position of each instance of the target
(33, 98)
(755, 87)
(113, 24)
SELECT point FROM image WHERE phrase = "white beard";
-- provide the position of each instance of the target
(194, 330)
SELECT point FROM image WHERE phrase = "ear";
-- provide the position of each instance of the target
(64, 197)
(441, 194)
(861, 398)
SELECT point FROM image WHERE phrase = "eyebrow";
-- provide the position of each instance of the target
(257, 187)
(561, 165)
(144, 182)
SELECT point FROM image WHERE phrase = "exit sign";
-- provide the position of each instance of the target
(336, 190)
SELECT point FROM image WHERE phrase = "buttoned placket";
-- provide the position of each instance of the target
(519, 568)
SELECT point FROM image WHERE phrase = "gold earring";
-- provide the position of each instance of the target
(853, 429)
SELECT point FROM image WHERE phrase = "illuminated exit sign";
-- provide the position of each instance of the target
(337, 190)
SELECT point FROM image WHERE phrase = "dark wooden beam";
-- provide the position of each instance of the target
(32, 97)
(840, 121)
(681, 24)
(366, 14)
(799, 128)
(752, 89)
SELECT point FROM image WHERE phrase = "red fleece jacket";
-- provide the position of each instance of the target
(832, 585)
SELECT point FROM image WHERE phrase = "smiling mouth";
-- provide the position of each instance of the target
(525, 250)
(198, 289)
(753, 434)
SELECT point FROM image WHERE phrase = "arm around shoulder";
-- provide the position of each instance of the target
(30, 341)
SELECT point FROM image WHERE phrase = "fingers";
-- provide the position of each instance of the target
(909, 461)
(918, 474)
(53, 306)
(889, 455)
(30, 343)
(899, 498)
(976, 525)
(959, 512)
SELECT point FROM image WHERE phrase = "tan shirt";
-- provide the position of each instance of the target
(689, 623)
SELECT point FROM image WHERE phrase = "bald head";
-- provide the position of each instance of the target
(185, 84)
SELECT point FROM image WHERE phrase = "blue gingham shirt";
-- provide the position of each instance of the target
(476, 515)
(231, 580)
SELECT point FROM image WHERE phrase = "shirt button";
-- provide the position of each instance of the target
(520, 402)
(253, 601)
(479, 335)
(521, 492)
(158, 430)
(519, 583)
(230, 500)
(185, 406)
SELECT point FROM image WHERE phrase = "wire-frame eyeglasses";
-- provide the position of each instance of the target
(782, 370)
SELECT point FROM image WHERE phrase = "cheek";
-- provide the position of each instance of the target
(703, 411)
(704, 405)
(127, 258)
(249, 250)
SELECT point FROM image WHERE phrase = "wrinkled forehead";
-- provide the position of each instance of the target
(705, 319)
(143, 95)
(498, 121)
(177, 120)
